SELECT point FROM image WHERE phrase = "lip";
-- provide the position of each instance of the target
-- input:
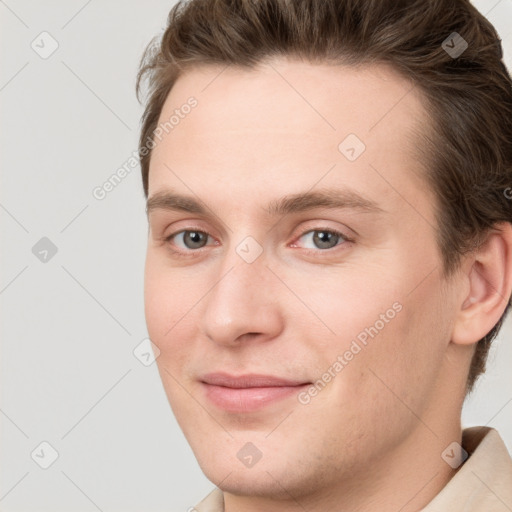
(250, 392)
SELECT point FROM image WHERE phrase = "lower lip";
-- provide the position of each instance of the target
(248, 399)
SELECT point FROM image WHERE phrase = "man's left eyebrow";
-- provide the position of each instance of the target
(326, 198)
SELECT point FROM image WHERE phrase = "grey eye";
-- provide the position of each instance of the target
(194, 239)
(323, 238)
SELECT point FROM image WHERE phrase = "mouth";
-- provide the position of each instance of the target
(247, 393)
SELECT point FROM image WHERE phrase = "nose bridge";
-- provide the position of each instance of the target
(238, 302)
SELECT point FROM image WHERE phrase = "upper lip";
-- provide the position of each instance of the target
(252, 380)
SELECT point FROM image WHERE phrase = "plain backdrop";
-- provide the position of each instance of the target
(71, 283)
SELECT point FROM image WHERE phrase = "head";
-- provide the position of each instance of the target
(266, 115)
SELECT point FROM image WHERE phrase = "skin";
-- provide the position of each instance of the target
(372, 438)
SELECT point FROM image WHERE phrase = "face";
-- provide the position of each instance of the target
(295, 292)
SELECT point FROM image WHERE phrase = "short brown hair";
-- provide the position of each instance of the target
(467, 149)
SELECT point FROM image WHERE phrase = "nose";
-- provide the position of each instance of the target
(243, 303)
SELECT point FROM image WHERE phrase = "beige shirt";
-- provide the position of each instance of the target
(483, 483)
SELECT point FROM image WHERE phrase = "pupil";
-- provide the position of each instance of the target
(195, 237)
(322, 239)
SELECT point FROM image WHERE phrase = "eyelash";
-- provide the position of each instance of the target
(190, 252)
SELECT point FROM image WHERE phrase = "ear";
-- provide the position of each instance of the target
(488, 275)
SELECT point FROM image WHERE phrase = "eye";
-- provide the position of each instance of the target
(324, 238)
(190, 239)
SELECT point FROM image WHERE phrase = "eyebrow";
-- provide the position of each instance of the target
(294, 203)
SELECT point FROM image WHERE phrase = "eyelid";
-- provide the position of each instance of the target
(184, 226)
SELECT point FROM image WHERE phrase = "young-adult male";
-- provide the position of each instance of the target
(329, 256)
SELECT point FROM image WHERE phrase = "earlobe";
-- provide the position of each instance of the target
(490, 285)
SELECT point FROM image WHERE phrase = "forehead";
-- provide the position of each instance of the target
(289, 122)
(300, 97)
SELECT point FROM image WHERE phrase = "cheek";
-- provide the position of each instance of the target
(400, 365)
(168, 307)
(391, 341)
(168, 303)
(166, 292)
(352, 304)
(157, 303)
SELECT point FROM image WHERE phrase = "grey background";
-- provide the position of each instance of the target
(70, 324)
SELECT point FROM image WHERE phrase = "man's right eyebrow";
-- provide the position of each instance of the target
(168, 200)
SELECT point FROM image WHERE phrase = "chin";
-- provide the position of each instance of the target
(250, 482)
(274, 476)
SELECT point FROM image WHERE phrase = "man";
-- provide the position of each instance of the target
(330, 248)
